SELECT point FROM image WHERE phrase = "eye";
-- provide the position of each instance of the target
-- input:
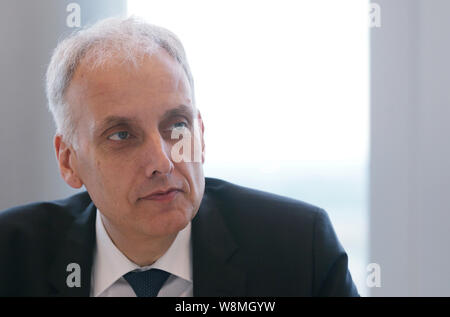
(119, 136)
(180, 125)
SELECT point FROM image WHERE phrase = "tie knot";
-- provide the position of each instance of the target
(147, 283)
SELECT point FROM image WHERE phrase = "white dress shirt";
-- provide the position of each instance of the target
(110, 264)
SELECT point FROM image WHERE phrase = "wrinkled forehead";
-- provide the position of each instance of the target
(158, 66)
(154, 78)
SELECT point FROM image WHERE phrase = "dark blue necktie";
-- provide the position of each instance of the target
(147, 283)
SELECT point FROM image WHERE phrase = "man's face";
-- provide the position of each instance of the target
(124, 119)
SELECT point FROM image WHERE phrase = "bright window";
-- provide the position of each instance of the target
(283, 90)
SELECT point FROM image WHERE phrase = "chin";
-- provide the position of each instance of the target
(167, 223)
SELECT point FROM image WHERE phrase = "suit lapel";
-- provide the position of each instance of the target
(77, 248)
(216, 257)
(216, 270)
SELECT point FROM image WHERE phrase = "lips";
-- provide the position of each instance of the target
(163, 195)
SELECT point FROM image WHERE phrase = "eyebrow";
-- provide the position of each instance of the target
(111, 121)
(181, 110)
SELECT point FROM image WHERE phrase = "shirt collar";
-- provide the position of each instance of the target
(110, 264)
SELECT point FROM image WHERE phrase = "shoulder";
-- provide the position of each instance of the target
(260, 206)
(43, 216)
(256, 217)
(283, 235)
(31, 237)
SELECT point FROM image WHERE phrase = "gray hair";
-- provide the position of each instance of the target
(126, 39)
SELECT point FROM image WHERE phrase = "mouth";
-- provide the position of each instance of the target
(163, 195)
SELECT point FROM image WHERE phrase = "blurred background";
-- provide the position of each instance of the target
(342, 104)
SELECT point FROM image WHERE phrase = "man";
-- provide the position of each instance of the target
(150, 224)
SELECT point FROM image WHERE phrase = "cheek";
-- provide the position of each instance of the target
(103, 178)
(113, 176)
(193, 172)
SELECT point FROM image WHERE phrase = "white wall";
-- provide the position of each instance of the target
(29, 31)
(410, 151)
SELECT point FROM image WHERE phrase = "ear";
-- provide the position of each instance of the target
(202, 132)
(66, 157)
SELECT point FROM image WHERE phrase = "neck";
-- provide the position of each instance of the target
(142, 250)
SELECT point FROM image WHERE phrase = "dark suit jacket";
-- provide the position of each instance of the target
(245, 243)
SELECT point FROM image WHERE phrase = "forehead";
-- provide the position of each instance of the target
(157, 81)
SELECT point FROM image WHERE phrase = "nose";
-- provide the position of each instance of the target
(157, 159)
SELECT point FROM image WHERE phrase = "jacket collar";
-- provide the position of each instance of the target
(77, 247)
(216, 271)
(216, 255)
